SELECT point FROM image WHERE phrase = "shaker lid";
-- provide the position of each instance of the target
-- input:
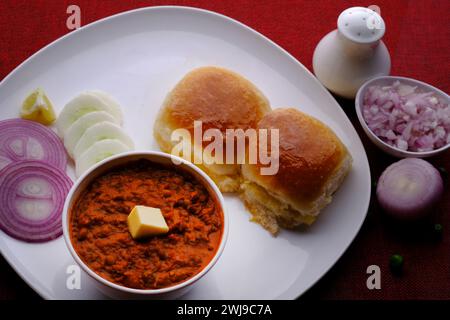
(361, 25)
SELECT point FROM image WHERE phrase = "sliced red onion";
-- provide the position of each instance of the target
(28, 140)
(408, 189)
(407, 119)
(32, 195)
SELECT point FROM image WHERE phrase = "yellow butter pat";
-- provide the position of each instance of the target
(146, 221)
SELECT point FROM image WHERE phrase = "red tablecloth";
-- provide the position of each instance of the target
(418, 34)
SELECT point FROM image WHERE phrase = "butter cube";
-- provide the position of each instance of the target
(146, 221)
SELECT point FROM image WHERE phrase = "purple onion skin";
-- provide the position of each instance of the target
(417, 205)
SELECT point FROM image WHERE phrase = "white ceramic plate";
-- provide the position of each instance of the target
(138, 56)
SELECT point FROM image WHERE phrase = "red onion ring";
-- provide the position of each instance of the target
(28, 140)
(26, 187)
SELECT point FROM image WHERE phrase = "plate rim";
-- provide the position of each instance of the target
(42, 292)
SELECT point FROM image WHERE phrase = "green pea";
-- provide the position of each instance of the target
(396, 263)
(437, 230)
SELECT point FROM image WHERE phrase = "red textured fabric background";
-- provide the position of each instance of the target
(418, 38)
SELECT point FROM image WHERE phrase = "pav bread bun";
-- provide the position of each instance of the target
(219, 98)
(313, 163)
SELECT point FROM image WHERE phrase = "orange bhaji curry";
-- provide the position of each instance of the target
(100, 236)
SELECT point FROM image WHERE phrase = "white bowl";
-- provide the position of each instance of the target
(389, 80)
(121, 292)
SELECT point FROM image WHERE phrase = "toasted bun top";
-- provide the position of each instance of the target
(309, 155)
(218, 97)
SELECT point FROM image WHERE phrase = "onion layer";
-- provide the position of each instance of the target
(32, 195)
(28, 140)
(409, 188)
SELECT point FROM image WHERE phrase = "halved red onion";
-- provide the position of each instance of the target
(409, 189)
(32, 195)
(28, 140)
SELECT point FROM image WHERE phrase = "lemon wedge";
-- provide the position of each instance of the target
(37, 107)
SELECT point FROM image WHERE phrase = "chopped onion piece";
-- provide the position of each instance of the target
(407, 119)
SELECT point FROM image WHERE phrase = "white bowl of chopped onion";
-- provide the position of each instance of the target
(404, 117)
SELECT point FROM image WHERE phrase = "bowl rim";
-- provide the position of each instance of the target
(358, 107)
(149, 292)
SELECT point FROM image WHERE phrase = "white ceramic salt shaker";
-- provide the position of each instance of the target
(354, 53)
